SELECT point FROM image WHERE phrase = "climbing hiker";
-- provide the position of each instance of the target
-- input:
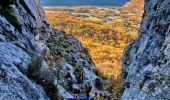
(87, 90)
(95, 96)
(76, 93)
(81, 76)
(69, 81)
(68, 75)
(70, 84)
(101, 97)
(104, 95)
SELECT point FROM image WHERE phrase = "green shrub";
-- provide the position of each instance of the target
(118, 86)
(144, 15)
(98, 83)
(136, 46)
(68, 59)
(141, 84)
(51, 40)
(34, 67)
(14, 20)
(151, 87)
(124, 74)
(51, 91)
(127, 55)
(77, 71)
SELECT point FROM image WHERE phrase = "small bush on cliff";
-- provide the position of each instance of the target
(13, 19)
(34, 67)
(116, 85)
(141, 84)
(98, 83)
(68, 59)
(51, 40)
(124, 74)
(151, 87)
(51, 91)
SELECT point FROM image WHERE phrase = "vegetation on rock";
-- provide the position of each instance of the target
(34, 67)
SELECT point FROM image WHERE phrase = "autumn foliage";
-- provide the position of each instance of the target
(104, 31)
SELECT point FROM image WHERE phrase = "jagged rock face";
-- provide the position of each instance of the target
(146, 61)
(19, 20)
(28, 57)
(71, 57)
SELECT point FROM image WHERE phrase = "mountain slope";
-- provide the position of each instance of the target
(29, 55)
(146, 60)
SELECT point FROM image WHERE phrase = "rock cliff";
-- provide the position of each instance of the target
(146, 61)
(31, 52)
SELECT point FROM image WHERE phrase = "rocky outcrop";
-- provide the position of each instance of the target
(18, 24)
(146, 61)
(29, 51)
(69, 56)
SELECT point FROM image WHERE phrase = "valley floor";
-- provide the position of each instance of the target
(104, 31)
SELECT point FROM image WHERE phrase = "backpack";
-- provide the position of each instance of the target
(89, 89)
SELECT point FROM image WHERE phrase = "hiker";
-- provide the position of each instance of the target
(70, 84)
(95, 96)
(80, 77)
(101, 97)
(76, 93)
(69, 81)
(68, 75)
(104, 95)
(87, 90)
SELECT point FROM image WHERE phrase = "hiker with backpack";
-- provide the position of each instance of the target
(80, 77)
(70, 84)
(95, 96)
(69, 81)
(101, 97)
(88, 90)
(104, 95)
(76, 93)
(68, 75)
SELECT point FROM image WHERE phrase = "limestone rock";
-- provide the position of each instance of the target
(146, 61)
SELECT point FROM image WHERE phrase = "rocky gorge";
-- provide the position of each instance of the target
(31, 52)
(34, 57)
(146, 60)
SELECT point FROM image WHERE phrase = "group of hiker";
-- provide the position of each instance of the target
(99, 97)
(87, 87)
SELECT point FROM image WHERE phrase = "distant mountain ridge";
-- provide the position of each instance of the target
(83, 2)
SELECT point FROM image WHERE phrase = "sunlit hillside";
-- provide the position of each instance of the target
(104, 31)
